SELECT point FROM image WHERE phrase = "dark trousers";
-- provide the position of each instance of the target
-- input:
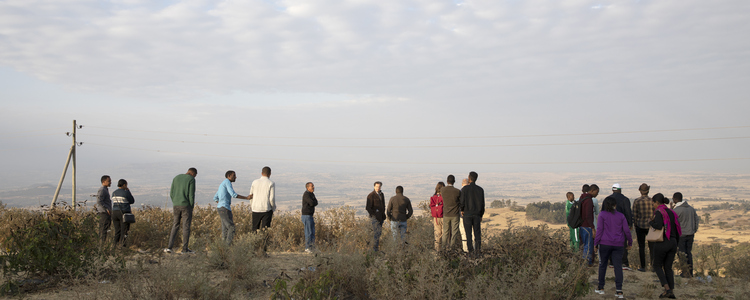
(121, 228)
(625, 262)
(686, 246)
(377, 230)
(227, 225)
(182, 215)
(614, 253)
(641, 234)
(105, 220)
(472, 224)
(664, 253)
(262, 219)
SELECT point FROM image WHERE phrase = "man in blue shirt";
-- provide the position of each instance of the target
(224, 199)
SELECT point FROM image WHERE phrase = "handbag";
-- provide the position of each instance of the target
(655, 235)
(128, 218)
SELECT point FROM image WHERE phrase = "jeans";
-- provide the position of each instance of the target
(121, 228)
(664, 253)
(686, 246)
(309, 223)
(105, 220)
(182, 215)
(377, 229)
(587, 240)
(451, 232)
(262, 219)
(641, 234)
(399, 227)
(473, 223)
(607, 252)
(227, 225)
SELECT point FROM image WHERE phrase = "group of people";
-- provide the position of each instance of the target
(447, 206)
(608, 232)
(113, 210)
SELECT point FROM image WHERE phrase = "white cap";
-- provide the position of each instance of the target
(616, 186)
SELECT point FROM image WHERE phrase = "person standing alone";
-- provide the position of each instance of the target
(182, 194)
(309, 202)
(472, 210)
(104, 207)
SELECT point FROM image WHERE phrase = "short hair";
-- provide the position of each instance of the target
(473, 176)
(377, 183)
(677, 196)
(660, 199)
(610, 204)
(586, 188)
(451, 179)
(104, 178)
(308, 184)
(122, 182)
(569, 194)
(439, 186)
(228, 173)
(193, 170)
(399, 190)
(593, 187)
(266, 171)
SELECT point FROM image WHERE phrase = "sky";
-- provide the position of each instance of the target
(373, 86)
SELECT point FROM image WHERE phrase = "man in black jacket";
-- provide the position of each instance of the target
(472, 210)
(309, 202)
(623, 206)
(376, 209)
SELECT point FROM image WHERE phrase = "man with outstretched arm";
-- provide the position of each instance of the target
(224, 199)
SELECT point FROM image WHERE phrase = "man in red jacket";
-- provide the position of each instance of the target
(587, 228)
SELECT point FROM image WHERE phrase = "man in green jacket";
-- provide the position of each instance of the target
(183, 201)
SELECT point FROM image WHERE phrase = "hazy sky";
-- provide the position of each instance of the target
(391, 86)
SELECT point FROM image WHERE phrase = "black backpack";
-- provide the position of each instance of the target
(575, 219)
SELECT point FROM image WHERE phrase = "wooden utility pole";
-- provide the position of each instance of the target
(71, 155)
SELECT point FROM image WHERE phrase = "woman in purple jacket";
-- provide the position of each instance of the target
(611, 234)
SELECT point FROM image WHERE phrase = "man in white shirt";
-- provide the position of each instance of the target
(262, 192)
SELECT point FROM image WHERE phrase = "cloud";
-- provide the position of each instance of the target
(357, 47)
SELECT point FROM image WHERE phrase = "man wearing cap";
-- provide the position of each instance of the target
(623, 206)
(643, 212)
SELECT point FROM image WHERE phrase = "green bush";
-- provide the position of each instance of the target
(60, 242)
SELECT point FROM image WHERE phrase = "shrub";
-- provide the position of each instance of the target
(61, 241)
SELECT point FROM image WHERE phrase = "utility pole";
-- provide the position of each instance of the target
(71, 156)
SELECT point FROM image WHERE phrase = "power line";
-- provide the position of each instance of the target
(430, 146)
(27, 131)
(27, 136)
(426, 138)
(432, 163)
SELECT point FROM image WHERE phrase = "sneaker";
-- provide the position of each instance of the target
(611, 266)
(641, 270)
(626, 269)
(308, 251)
(188, 251)
(167, 250)
(619, 295)
(598, 291)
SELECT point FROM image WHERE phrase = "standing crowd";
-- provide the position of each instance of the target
(666, 229)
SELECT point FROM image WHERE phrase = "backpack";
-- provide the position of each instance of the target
(575, 219)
